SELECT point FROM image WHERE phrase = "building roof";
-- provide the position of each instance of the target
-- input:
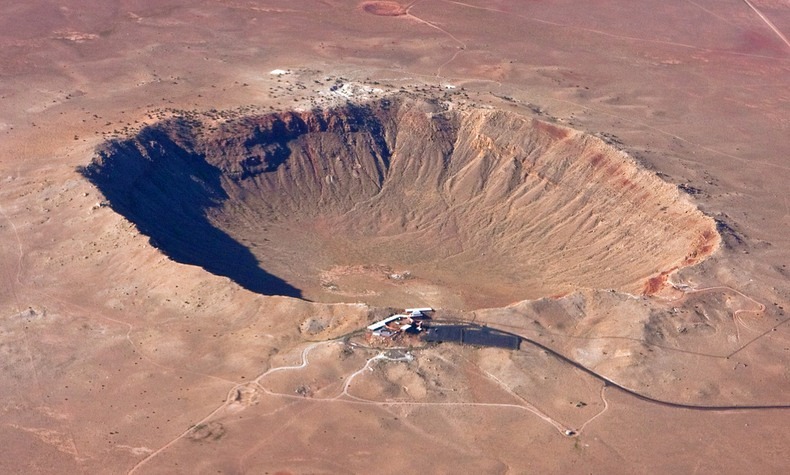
(381, 323)
(418, 311)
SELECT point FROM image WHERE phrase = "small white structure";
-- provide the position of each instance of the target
(419, 312)
(383, 323)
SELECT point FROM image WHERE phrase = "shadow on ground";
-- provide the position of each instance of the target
(158, 182)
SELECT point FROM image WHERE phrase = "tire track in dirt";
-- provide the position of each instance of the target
(736, 318)
(605, 408)
(228, 399)
(768, 22)
(612, 35)
(72, 448)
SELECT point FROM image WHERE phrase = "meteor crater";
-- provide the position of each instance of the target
(402, 199)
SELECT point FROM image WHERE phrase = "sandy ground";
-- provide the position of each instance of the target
(117, 359)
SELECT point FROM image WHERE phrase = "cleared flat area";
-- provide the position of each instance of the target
(119, 357)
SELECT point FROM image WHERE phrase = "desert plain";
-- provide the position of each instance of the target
(202, 204)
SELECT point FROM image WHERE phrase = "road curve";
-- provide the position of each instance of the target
(614, 384)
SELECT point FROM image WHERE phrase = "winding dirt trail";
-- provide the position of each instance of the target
(462, 44)
(528, 406)
(346, 397)
(736, 318)
(72, 448)
(21, 255)
(228, 399)
(605, 408)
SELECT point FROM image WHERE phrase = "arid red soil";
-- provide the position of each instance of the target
(194, 214)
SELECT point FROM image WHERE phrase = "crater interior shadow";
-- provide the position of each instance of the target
(158, 182)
